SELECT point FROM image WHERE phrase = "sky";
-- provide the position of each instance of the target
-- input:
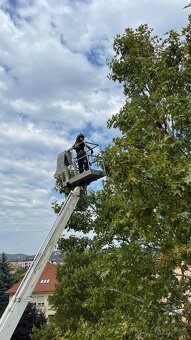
(54, 84)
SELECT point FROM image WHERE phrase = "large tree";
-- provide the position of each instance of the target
(30, 318)
(150, 185)
(140, 255)
(6, 281)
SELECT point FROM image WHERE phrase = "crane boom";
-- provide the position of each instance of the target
(18, 303)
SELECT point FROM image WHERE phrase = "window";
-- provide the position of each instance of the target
(40, 300)
(44, 281)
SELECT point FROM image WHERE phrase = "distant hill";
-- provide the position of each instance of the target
(19, 257)
(55, 257)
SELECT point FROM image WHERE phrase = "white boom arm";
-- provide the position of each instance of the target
(18, 303)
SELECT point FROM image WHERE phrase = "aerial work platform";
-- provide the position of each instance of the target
(86, 177)
(68, 169)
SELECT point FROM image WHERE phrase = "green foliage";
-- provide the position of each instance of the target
(150, 176)
(132, 280)
(74, 279)
(19, 274)
(59, 179)
(6, 281)
(83, 216)
(30, 318)
(150, 164)
(46, 332)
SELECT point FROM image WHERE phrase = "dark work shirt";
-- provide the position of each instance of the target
(79, 146)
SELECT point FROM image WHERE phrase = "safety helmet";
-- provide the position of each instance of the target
(79, 135)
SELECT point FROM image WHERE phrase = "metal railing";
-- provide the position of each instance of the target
(94, 160)
(70, 160)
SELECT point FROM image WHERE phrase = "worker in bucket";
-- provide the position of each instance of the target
(80, 146)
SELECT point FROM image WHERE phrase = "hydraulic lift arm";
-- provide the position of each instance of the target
(18, 303)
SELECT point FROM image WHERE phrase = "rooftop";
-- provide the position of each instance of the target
(45, 284)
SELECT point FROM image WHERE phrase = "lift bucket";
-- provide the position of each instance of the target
(68, 166)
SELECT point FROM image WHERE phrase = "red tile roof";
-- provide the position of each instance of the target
(45, 284)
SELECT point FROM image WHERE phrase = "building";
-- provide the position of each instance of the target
(15, 265)
(44, 287)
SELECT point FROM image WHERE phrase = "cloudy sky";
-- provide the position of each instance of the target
(53, 84)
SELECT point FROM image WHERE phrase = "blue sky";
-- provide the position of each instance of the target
(53, 84)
